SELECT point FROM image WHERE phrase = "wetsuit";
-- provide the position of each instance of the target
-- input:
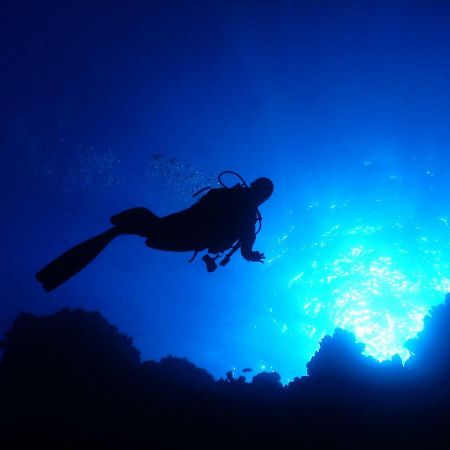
(219, 219)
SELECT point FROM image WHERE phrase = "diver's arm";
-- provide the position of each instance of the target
(247, 251)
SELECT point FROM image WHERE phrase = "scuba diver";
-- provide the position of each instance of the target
(222, 219)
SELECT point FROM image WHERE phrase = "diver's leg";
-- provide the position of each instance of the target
(75, 259)
(177, 232)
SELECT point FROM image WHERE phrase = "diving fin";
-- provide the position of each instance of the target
(75, 259)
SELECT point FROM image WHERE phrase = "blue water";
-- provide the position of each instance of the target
(346, 108)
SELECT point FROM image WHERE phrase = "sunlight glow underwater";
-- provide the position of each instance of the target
(371, 257)
(373, 271)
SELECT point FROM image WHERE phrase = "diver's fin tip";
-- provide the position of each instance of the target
(40, 279)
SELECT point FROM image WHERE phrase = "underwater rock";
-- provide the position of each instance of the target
(68, 345)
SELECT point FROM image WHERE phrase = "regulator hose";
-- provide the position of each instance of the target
(230, 172)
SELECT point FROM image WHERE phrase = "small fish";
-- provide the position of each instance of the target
(247, 369)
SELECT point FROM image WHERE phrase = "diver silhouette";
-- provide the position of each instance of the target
(223, 218)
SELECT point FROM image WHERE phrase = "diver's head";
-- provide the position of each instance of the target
(261, 189)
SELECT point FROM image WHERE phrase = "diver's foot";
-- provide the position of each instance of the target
(135, 221)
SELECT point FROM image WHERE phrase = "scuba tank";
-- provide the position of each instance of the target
(210, 261)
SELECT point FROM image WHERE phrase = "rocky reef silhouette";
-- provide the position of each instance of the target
(71, 380)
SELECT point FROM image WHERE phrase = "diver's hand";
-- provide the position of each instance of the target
(257, 257)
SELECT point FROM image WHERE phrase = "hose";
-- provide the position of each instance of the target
(230, 172)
